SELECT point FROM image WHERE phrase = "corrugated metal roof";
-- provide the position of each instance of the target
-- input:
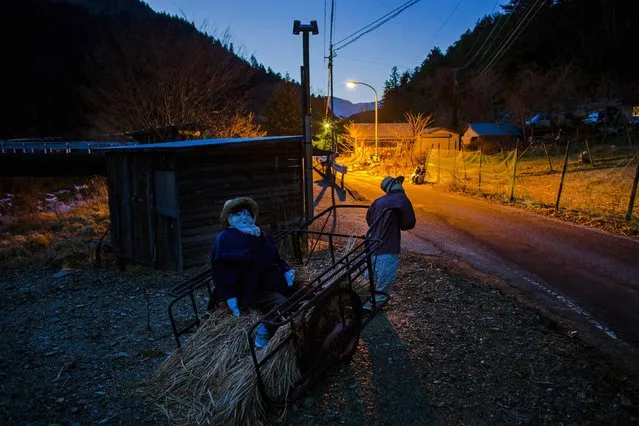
(197, 143)
(492, 129)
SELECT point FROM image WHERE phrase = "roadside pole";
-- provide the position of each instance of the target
(306, 104)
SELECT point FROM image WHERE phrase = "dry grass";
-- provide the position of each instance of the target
(55, 238)
(212, 379)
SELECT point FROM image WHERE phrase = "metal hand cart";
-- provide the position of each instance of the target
(326, 312)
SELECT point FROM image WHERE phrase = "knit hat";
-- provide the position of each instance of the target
(388, 182)
(235, 205)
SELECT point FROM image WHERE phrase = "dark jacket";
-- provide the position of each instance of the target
(246, 267)
(402, 219)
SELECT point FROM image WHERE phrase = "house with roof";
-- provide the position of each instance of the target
(490, 136)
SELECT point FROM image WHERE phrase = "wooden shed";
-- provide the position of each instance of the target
(436, 138)
(165, 199)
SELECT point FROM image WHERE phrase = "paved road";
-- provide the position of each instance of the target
(581, 272)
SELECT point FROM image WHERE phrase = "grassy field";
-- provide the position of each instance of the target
(53, 228)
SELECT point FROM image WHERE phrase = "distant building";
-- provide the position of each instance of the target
(437, 138)
(490, 135)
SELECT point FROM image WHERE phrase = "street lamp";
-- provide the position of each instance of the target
(352, 84)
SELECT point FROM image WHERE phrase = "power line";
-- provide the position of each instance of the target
(376, 63)
(374, 25)
(501, 28)
(513, 37)
(445, 21)
(477, 40)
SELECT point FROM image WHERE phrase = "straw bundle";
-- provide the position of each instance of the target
(212, 380)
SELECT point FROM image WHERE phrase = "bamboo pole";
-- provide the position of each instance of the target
(547, 156)
(633, 194)
(481, 146)
(454, 168)
(512, 185)
(438, 163)
(461, 147)
(592, 160)
(563, 174)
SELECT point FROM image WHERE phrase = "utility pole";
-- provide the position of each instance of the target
(306, 111)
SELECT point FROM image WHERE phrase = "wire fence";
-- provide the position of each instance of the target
(600, 181)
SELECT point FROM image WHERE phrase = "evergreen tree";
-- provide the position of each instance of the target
(284, 113)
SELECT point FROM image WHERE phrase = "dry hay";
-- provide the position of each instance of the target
(212, 379)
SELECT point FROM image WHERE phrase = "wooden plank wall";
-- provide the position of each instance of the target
(268, 171)
(119, 205)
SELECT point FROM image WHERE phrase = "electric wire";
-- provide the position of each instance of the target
(445, 21)
(496, 37)
(373, 25)
(493, 26)
(514, 35)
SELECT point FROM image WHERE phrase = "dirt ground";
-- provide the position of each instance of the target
(450, 348)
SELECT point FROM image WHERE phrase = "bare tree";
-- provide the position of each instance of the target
(163, 78)
(354, 136)
(236, 126)
(418, 124)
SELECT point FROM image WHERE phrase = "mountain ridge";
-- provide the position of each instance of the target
(344, 108)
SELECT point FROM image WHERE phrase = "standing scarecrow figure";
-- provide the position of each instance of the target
(388, 231)
(248, 271)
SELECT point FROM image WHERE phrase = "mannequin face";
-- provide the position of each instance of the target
(241, 219)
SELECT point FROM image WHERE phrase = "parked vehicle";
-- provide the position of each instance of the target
(539, 120)
(595, 117)
(634, 123)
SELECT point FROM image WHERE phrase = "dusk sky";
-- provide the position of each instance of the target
(264, 28)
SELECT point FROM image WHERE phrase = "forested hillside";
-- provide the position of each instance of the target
(534, 55)
(94, 68)
(80, 69)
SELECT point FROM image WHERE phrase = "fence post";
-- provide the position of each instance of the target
(454, 167)
(633, 194)
(563, 174)
(629, 138)
(512, 185)
(592, 160)
(481, 149)
(438, 163)
(461, 148)
(547, 156)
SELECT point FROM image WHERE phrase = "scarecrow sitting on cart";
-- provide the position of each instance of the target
(248, 271)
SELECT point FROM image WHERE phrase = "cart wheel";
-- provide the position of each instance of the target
(332, 336)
